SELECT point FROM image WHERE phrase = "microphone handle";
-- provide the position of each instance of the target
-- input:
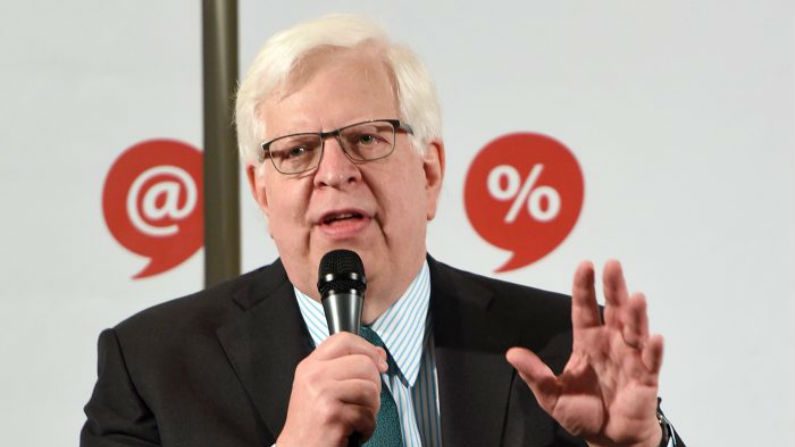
(344, 314)
(343, 311)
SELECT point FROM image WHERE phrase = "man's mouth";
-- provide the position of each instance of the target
(344, 224)
(331, 218)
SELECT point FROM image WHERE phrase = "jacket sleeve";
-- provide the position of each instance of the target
(116, 414)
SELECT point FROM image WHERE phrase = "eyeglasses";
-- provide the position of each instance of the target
(361, 142)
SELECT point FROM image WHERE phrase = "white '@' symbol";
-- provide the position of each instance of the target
(529, 193)
(168, 207)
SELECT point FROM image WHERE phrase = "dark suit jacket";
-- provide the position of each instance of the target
(216, 368)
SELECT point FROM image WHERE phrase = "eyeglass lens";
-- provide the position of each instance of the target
(361, 142)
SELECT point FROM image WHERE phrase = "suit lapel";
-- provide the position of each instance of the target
(266, 343)
(470, 344)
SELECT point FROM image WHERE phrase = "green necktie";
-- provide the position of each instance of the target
(387, 424)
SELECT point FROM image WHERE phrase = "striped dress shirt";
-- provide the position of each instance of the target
(405, 330)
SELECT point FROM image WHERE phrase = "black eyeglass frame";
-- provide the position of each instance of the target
(336, 133)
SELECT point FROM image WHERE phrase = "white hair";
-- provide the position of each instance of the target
(276, 61)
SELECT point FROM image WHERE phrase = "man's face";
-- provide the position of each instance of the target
(379, 209)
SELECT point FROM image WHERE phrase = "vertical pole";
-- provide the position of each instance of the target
(221, 190)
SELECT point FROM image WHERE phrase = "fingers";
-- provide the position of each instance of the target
(584, 310)
(635, 332)
(537, 375)
(341, 421)
(336, 392)
(361, 392)
(615, 290)
(358, 419)
(356, 366)
(624, 313)
(635, 327)
(345, 343)
(615, 287)
(348, 398)
(652, 354)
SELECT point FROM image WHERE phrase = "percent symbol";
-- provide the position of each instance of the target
(530, 194)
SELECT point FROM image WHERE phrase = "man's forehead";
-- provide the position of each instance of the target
(365, 61)
(357, 85)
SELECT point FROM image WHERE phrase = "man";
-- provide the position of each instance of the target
(339, 131)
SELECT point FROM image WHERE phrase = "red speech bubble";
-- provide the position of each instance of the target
(152, 201)
(524, 193)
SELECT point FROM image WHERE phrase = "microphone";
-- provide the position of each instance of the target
(341, 284)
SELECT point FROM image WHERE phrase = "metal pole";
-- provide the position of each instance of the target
(221, 190)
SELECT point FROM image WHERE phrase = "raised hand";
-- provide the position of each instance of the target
(336, 392)
(607, 393)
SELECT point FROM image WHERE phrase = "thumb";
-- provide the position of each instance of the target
(537, 375)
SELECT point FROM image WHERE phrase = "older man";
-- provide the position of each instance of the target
(340, 135)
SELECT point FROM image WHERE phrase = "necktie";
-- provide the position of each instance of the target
(387, 423)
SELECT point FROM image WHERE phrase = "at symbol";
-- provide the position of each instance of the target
(170, 208)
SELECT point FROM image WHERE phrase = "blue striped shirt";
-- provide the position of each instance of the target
(405, 330)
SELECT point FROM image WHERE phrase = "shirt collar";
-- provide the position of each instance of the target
(401, 327)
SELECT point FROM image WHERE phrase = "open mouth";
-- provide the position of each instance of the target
(332, 218)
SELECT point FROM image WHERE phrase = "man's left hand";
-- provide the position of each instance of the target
(607, 393)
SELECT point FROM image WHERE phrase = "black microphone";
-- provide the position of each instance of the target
(341, 283)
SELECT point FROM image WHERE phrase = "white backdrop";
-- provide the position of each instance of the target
(682, 116)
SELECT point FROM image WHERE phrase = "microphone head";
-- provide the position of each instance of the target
(341, 271)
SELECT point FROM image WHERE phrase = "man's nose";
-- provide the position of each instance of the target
(335, 168)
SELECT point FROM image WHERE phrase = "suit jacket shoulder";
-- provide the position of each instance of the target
(209, 307)
(185, 372)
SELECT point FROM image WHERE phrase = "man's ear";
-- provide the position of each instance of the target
(256, 183)
(433, 164)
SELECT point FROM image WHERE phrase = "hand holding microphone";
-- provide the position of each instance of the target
(336, 388)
